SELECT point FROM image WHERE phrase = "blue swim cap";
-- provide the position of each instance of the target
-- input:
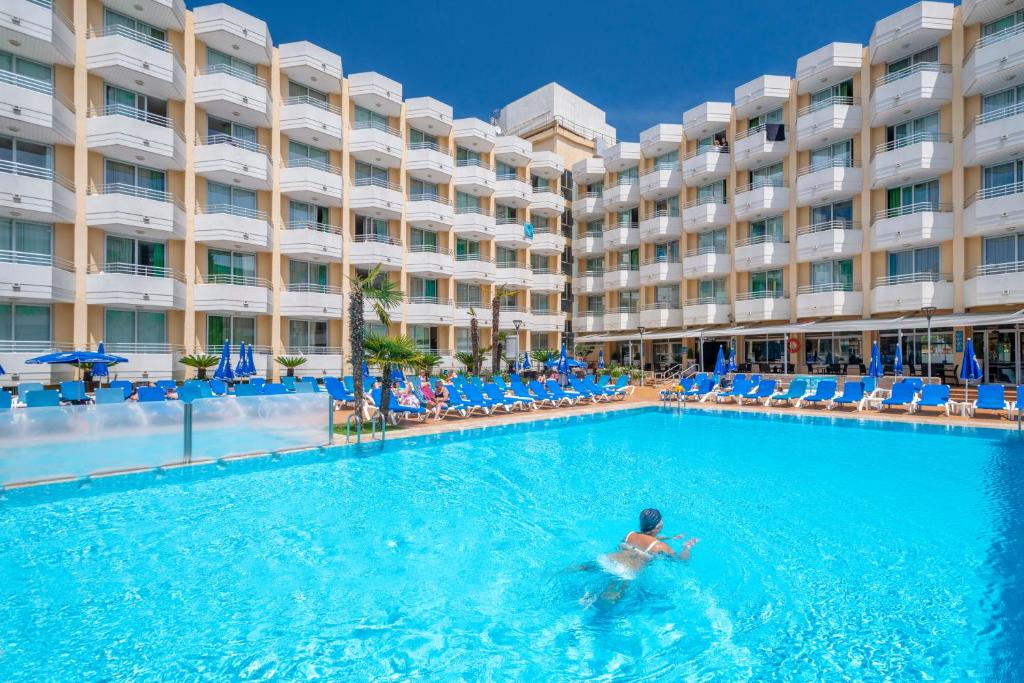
(649, 519)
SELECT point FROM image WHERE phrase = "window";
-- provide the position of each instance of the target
(540, 341)
(25, 153)
(540, 303)
(423, 289)
(767, 284)
(914, 261)
(219, 131)
(539, 263)
(307, 336)
(372, 228)
(840, 93)
(420, 140)
(839, 154)
(32, 241)
(667, 207)
(146, 33)
(309, 156)
(135, 329)
(126, 255)
(230, 267)
(424, 337)
(419, 190)
(422, 240)
(1003, 179)
(505, 171)
(712, 292)
(595, 188)
(901, 201)
(1006, 24)
(768, 230)
(375, 329)
(833, 215)
(713, 193)
(466, 203)
(467, 250)
(297, 92)
(667, 252)
(304, 276)
(668, 161)
(1006, 249)
(712, 242)
(25, 324)
(505, 214)
(128, 179)
(235, 330)
(595, 227)
(301, 214)
(767, 176)
(136, 105)
(1002, 104)
(628, 259)
(505, 256)
(463, 343)
(832, 275)
(540, 184)
(712, 143)
(594, 265)
(41, 75)
(629, 218)
(667, 296)
(218, 62)
(926, 56)
(922, 129)
(629, 176)
(467, 294)
(629, 301)
(370, 119)
(230, 199)
(774, 116)
(593, 305)
(467, 157)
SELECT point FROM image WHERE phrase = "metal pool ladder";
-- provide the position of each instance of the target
(359, 431)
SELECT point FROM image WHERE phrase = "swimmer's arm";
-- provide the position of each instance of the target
(684, 552)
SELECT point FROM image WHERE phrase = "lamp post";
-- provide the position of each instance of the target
(517, 324)
(641, 330)
(929, 311)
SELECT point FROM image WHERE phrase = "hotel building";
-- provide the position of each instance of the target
(170, 179)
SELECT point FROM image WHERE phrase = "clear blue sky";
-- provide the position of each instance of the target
(643, 62)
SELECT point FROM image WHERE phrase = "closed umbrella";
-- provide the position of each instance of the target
(731, 367)
(897, 362)
(241, 368)
(526, 360)
(100, 369)
(563, 362)
(2, 371)
(224, 371)
(600, 359)
(875, 367)
(249, 363)
(366, 369)
(969, 368)
(515, 363)
(720, 361)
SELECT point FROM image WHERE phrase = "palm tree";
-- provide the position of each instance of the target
(200, 361)
(426, 362)
(290, 363)
(389, 353)
(474, 343)
(499, 294)
(383, 295)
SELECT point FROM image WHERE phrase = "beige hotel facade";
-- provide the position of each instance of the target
(170, 179)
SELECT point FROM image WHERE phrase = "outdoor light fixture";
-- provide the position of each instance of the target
(641, 330)
(517, 323)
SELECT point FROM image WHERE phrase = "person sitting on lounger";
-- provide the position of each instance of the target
(407, 398)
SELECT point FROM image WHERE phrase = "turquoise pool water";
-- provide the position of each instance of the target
(829, 551)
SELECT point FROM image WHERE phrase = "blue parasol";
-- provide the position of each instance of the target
(600, 359)
(563, 362)
(224, 367)
(969, 368)
(100, 369)
(2, 371)
(731, 366)
(241, 368)
(75, 357)
(875, 367)
(897, 362)
(720, 361)
(526, 360)
(250, 365)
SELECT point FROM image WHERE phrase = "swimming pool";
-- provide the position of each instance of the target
(830, 550)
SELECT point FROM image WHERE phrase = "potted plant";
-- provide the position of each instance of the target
(290, 363)
(200, 361)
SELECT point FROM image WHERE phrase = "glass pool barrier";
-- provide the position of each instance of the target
(39, 444)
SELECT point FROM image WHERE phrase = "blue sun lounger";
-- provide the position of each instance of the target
(475, 396)
(46, 398)
(763, 390)
(396, 408)
(538, 389)
(794, 392)
(932, 396)
(585, 391)
(824, 392)
(700, 390)
(902, 395)
(853, 394)
(1015, 408)
(498, 397)
(336, 390)
(990, 397)
(522, 391)
(740, 386)
(558, 392)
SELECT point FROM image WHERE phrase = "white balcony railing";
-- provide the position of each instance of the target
(910, 209)
(933, 67)
(998, 268)
(825, 226)
(233, 71)
(922, 136)
(834, 101)
(910, 278)
(377, 125)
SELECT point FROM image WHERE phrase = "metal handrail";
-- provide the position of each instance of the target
(474, 258)
(376, 125)
(623, 310)
(512, 264)
(661, 306)
(234, 71)
(510, 176)
(995, 115)
(132, 34)
(511, 308)
(760, 128)
(717, 299)
(624, 225)
(306, 162)
(143, 347)
(433, 300)
(910, 209)
(545, 271)
(29, 258)
(833, 101)
(231, 279)
(479, 163)
(761, 182)
(661, 213)
(136, 191)
(312, 288)
(118, 268)
(766, 238)
(545, 190)
(755, 296)
(823, 287)
(313, 101)
(215, 349)
(822, 226)
(661, 166)
(459, 210)
(313, 225)
(619, 267)
(886, 280)
(599, 310)
(591, 195)
(664, 258)
(378, 239)
(706, 149)
(31, 171)
(426, 144)
(543, 229)
(997, 191)
(26, 82)
(701, 201)
(921, 136)
(232, 210)
(117, 109)
(371, 181)
(506, 220)
(468, 304)
(240, 143)
(19, 346)
(996, 37)
(624, 181)
(592, 273)
(821, 165)
(429, 197)
(998, 268)
(933, 67)
(313, 350)
(428, 249)
(704, 251)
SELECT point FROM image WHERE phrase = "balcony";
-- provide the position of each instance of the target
(130, 59)
(546, 203)
(312, 122)
(367, 251)
(912, 292)
(375, 92)
(546, 321)
(33, 108)
(428, 115)
(589, 243)
(621, 318)
(621, 276)
(43, 31)
(660, 226)
(429, 310)
(375, 197)
(36, 278)
(512, 274)
(233, 227)
(546, 165)
(233, 161)
(429, 260)
(512, 150)
(547, 280)
(429, 162)
(135, 211)
(233, 294)
(984, 11)
(910, 30)
(588, 282)
(995, 136)
(429, 212)
(828, 181)
(474, 223)
(912, 225)
(135, 136)
(761, 95)
(311, 65)
(619, 236)
(706, 262)
(760, 199)
(130, 284)
(661, 181)
(661, 270)
(706, 164)
(995, 60)
(474, 134)
(995, 211)
(621, 156)
(996, 284)
(754, 149)
(546, 241)
(760, 253)
(588, 321)
(509, 232)
(587, 171)
(907, 160)
(312, 181)
(834, 299)
(376, 143)
(661, 139)
(589, 205)
(34, 193)
(708, 310)
(320, 360)
(474, 177)
(662, 314)
(706, 213)
(311, 241)
(911, 92)
(623, 195)
(511, 190)
(828, 121)
(761, 306)
(474, 269)
(308, 300)
(706, 119)
(232, 94)
(233, 32)
(827, 66)
(829, 240)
